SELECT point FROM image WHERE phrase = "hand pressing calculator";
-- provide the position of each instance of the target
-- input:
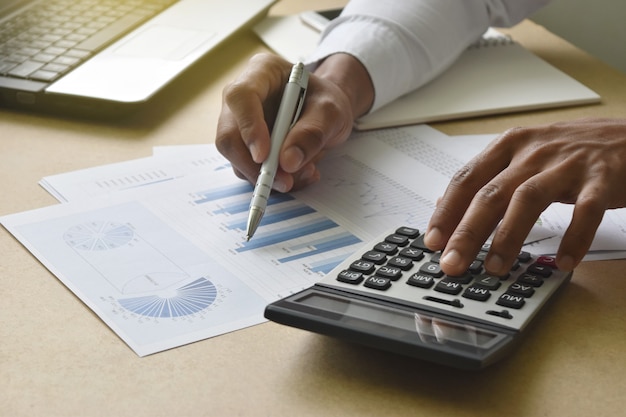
(392, 295)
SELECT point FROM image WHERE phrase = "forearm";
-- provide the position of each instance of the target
(405, 44)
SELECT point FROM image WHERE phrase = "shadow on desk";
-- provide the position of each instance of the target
(515, 386)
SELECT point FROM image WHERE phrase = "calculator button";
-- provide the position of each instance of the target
(421, 280)
(386, 247)
(538, 269)
(378, 283)
(350, 277)
(521, 289)
(419, 244)
(403, 263)
(409, 232)
(477, 293)
(449, 287)
(397, 239)
(524, 256)
(481, 256)
(516, 265)
(530, 279)
(476, 267)
(435, 257)
(511, 300)
(431, 269)
(462, 279)
(547, 261)
(378, 258)
(489, 282)
(366, 267)
(412, 253)
(392, 272)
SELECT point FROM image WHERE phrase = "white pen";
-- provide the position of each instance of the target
(288, 113)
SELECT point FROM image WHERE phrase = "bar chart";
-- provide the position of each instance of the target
(291, 231)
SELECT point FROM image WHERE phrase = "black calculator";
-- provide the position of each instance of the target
(393, 295)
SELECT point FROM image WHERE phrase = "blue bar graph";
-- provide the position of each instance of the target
(276, 216)
(324, 266)
(321, 241)
(326, 245)
(243, 206)
(223, 192)
(286, 221)
(287, 233)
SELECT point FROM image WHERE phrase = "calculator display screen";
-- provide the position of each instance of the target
(429, 328)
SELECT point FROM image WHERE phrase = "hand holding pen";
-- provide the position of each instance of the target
(249, 110)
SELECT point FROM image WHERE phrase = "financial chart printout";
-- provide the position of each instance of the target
(168, 264)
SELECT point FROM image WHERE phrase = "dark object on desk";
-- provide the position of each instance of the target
(392, 295)
(106, 58)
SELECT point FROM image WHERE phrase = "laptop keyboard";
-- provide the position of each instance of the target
(54, 36)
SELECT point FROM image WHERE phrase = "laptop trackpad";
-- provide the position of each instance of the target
(163, 42)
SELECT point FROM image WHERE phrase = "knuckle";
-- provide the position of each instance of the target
(314, 136)
(516, 138)
(529, 192)
(512, 136)
(463, 176)
(491, 195)
(516, 131)
(511, 132)
(226, 136)
(334, 108)
(265, 59)
(591, 203)
(260, 58)
(236, 91)
(223, 143)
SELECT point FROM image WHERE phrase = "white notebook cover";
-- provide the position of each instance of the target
(495, 76)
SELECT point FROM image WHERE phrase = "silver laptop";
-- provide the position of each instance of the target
(106, 57)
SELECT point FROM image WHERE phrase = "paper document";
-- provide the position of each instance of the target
(165, 263)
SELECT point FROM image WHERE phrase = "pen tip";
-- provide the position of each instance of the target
(248, 238)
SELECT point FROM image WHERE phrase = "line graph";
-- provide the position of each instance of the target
(380, 199)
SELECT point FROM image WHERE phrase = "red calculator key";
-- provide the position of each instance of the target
(547, 261)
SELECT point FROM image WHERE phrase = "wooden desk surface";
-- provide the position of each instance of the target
(58, 359)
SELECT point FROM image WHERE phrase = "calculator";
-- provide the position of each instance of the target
(393, 295)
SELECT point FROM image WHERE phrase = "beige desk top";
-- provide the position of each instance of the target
(58, 359)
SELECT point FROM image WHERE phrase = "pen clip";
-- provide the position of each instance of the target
(300, 76)
(296, 113)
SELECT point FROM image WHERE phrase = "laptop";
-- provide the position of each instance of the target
(107, 57)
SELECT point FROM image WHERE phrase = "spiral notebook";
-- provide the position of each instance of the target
(495, 75)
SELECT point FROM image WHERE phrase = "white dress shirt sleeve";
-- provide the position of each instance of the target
(403, 44)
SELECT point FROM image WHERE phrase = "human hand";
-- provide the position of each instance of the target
(250, 105)
(508, 185)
